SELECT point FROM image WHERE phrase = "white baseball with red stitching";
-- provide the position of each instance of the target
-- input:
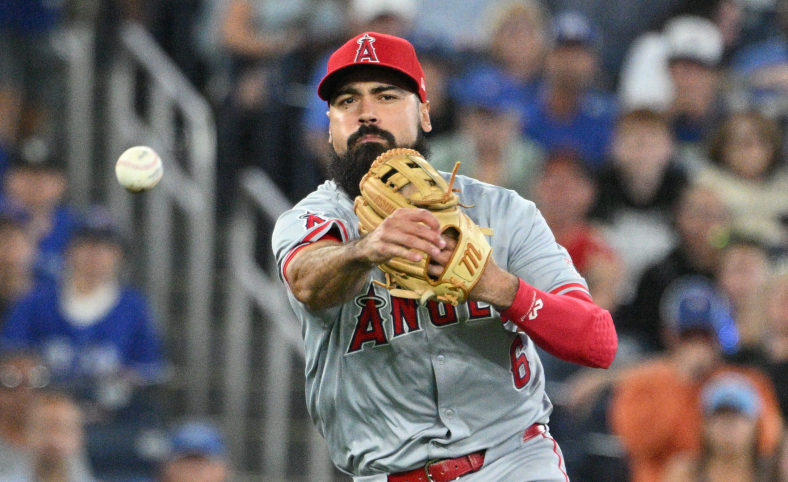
(139, 168)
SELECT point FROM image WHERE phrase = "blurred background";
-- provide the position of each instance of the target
(148, 337)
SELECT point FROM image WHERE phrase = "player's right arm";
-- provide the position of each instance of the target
(328, 273)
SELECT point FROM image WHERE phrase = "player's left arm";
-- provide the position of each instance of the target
(564, 322)
(569, 326)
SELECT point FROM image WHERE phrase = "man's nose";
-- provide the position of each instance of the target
(367, 113)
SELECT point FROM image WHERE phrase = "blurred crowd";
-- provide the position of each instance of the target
(82, 359)
(650, 135)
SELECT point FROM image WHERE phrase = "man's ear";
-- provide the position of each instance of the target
(424, 116)
(330, 137)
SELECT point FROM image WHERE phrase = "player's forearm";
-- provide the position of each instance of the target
(571, 329)
(496, 287)
(327, 275)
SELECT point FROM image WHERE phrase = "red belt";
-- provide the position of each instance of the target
(451, 469)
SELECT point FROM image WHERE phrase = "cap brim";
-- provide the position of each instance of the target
(326, 88)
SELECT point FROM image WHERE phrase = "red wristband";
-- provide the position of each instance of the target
(525, 301)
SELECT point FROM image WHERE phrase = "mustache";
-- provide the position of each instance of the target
(369, 129)
(347, 169)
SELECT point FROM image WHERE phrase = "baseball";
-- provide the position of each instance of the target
(139, 168)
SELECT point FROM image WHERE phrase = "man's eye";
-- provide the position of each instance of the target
(346, 100)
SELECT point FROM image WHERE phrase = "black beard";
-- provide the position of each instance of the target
(347, 169)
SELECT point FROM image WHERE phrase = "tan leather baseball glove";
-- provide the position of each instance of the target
(401, 178)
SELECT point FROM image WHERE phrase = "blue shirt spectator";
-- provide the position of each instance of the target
(569, 114)
(512, 63)
(89, 326)
(588, 132)
(124, 338)
(52, 247)
(762, 70)
(519, 95)
(33, 194)
(30, 16)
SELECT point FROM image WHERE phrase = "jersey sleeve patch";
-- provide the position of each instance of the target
(321, 229)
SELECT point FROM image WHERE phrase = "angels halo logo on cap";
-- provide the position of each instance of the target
(366, 51)
(374, 50)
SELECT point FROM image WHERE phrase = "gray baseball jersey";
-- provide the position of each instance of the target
(391, 384)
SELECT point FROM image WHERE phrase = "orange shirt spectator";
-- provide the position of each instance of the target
(656, 407)
(657, 414)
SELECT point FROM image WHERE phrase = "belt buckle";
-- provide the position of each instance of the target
(427, 468)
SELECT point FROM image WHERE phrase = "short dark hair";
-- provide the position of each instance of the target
(642, 116)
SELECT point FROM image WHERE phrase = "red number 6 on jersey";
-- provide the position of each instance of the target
(521, 370)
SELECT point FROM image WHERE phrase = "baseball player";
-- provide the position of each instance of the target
(404, 391)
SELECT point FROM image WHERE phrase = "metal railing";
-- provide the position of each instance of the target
(251, 287)
(80, 74)
(150, 102)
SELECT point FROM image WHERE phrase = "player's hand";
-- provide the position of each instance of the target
(496, 286)
(408, 233)
(440, 260)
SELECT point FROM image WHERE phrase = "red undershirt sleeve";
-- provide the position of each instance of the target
(569, 326)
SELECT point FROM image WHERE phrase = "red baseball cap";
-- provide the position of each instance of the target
(374, 49)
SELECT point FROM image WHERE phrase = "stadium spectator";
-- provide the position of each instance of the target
(729, 451)
(749, 175)
(759, 78)
(776, 345)
(782, 462)
(90, 326)
(197, 454)
(638, 190)
(21, 375)
(31, 92)
(702, 223)
(258, 126)
(645, 76)
(174, 24)
(17, 255)
(512, 62)
(568, 114)
(56, 440)
(656, 406)
(694, 57)
(744, 277)
(759, 71)
(98, 337)
(488, 144)
(617, 33)
(565, 192)
(34, 193)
